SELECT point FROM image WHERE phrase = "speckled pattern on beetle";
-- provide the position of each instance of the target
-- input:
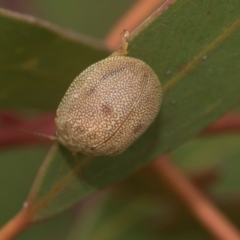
(108, 106)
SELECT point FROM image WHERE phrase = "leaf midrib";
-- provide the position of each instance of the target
(196, 60)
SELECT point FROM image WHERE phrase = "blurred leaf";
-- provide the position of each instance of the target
(134, 209)
(38, 61)
(206, 152)
(115, 217)
(194, 49)
(78, 15)
(219, 152)
(17, 163)
(18, 166)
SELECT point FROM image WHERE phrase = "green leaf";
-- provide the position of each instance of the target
(78, 15)
(221, 153)
(115, 216)
(194, 49)
(141, 207)
(38, 61)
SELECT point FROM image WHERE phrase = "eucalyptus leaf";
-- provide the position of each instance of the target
(193, 46)
(38, 61)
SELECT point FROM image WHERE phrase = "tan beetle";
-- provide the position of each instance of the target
(109, 105)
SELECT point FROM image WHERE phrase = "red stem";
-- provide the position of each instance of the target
(133, 17)
(15, 129)
(229, 123)
(16, 225)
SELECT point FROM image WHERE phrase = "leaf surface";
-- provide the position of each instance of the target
(38, 61)
(193, 46)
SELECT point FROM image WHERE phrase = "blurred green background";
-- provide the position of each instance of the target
(90, 17)
(106, 215)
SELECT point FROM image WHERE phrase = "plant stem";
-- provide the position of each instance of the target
(15, 129)
(229, 123)
(133, 17)
(198, 204)
(16, 225)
